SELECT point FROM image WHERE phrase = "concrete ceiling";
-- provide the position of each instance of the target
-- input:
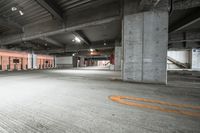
(57, 22)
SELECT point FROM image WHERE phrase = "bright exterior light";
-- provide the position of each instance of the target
(73, 54)
(77, 40)
(21, 13)
(104, 44)
(14, 9)
(91, 50)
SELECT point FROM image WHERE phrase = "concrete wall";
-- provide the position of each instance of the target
(196, 59)
(182, 56)
(145, 40)
(64, 62)
(25, 60)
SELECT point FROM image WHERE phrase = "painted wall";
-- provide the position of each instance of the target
(196, 59)
(8, 57)
(182, 56)
(25, 61)
(64, 62)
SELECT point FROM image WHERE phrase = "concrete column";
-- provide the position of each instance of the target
(75, 59)
(145, 41)
(82, 61)
(30, 60)
(118, 56)
(34, 61)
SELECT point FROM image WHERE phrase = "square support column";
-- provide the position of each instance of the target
(82, 61)
(145, 43)
(118, 57)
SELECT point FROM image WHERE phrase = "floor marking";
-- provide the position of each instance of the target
(122, 100)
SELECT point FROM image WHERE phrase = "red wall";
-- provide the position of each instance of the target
(45, 61)
(6, 60)
(7, 57)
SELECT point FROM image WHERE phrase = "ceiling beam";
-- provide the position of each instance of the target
(52, 8)
(10, 23)
(82, 37)
(184, 37)
(146, 5)
(186, 40)
(185, 4)
(52, 41)
(185, 22)
(26, 37)
(71, 48)
(94, 3)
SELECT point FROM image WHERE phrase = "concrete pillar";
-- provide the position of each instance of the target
(195, 59)
(30, 60)
(145, 41)
(82, 61)
(34, 61)
(75, 59)
(118, 56)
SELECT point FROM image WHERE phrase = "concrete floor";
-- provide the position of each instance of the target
(76, 101)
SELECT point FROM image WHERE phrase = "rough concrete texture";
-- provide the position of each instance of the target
(118, 57)
(145, 47)
(82, 61)
(76, 101)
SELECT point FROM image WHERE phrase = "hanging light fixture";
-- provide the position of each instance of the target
(21, 13)
(14, 9)
(76, 39)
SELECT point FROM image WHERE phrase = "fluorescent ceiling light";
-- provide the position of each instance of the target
(14, 9)
(21, 13)
(77, 39)
(91, 50)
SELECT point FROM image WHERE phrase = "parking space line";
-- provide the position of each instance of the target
(123, 100)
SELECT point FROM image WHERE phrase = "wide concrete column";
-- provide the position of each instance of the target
(118, 57)
(145, 42)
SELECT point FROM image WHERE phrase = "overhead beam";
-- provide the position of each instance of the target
(51, 7)
(185, 22)
(72, 48)
(52, 41)
(94, 3)
(26, 37)
(10, 23)
(146, 5)
(82, 37)
(185, 4)
(184, 37)
(186, 40)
